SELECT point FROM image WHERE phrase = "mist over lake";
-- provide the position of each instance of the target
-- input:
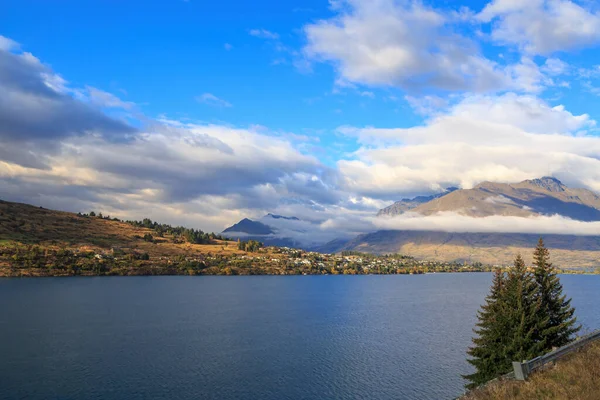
(300, 337)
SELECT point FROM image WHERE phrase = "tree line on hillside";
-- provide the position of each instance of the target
(525, 315)
(250, 246)
(180, 234)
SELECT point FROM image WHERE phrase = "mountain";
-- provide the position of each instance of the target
(534, 197)
(567, 251)
(544, 196)
(404, 205)
(249, 227)
(279, 230)
(529, 198)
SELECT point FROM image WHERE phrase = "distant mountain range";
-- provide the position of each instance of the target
(536, 197)
(404, 205)
(544, 196)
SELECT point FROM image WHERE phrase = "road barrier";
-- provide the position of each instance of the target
(523, 369)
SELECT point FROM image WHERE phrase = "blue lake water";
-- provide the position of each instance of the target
(256, 337)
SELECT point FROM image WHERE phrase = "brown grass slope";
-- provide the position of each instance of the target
(576, 377)
(26, 224)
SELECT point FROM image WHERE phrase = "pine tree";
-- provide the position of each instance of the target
(508, 327)
(559, 322)
(487, 352)
(523, 316)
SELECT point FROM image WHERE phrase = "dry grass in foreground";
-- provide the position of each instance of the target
(576, 377)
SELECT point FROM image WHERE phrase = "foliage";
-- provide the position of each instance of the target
(491, 340)
(560, 323)
(250, 246)
(180, 233)
(525, 315)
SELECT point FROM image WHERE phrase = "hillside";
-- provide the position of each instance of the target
(568, 251)
(577, 376)
(35, 241)
(25, 226)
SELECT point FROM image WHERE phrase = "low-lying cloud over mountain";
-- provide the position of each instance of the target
(278, 230)
(538, 206)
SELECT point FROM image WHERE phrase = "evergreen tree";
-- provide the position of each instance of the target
(523, 316)
(487, 352)
(508, 325)
(559, 322)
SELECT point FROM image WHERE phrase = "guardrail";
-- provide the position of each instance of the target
(523, 369)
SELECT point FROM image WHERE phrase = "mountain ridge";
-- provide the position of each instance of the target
(404, 205)
(541, 196)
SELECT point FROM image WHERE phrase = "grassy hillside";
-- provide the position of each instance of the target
(39, 242)
(577, 376)
(22, 223)
(568, 251)
(30, 229)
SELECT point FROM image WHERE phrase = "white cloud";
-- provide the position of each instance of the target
(555, 66)
(501, 138)
(404, 44)
(452, 222)
(171, 167)
(542, 26)
(212, 100)
(411, 46)
(104, 99)
(427, 105)
(264, 34)
(7, 44)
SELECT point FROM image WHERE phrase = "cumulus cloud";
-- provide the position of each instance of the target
(500, 138)
(34, 105)
(212, 100)
(59, 148)
(542, 26)
(38, 110)
(406, 44)
(176, 165)
(411, 46)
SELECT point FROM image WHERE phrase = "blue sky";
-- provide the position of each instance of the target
(364, 100)
(162, 55)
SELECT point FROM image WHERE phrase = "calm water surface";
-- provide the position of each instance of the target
(268, 338)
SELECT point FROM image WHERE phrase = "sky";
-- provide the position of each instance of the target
(202, 113)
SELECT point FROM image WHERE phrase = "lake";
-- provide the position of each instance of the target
(254, 337)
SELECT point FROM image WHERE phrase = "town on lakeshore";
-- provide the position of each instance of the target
(93, 244)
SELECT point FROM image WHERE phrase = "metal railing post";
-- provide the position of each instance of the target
(521, 370)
